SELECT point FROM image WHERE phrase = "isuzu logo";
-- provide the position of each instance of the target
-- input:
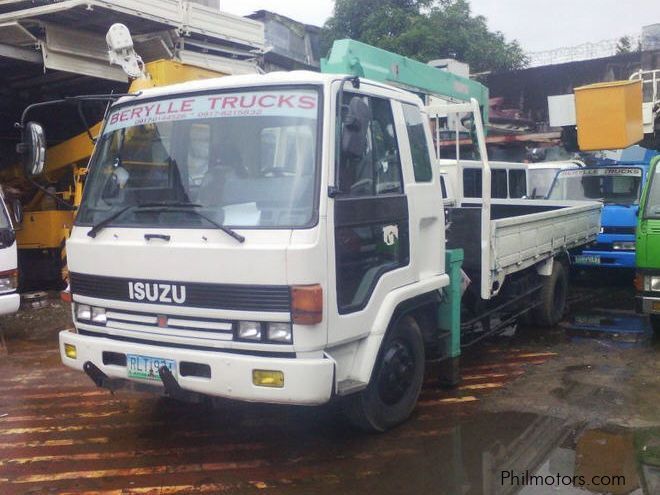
(153, 292)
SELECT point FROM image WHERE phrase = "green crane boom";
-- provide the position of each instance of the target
(359, 59)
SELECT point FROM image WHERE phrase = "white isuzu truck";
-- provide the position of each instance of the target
(238, 239)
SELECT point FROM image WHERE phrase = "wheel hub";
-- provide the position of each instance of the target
(396, 373)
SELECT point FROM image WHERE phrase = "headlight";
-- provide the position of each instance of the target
(249, 330)
(652, 283)
(279, 332)
(8, 280)
(623, 245)
(83, 312)
(98, 316)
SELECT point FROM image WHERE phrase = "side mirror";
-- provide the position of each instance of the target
(33, 149)
(354, 132)
(17, 211)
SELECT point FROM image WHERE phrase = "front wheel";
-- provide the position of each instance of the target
(553, 297)
(395, 383)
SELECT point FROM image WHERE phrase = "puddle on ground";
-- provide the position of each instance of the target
(624, 328)
(503, 454)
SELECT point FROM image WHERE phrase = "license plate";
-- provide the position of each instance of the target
(587, 260)
(146, 367)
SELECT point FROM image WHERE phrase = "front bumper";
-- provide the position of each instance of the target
(9, 303)
(645, 304)
(612, 259)
(306, 381)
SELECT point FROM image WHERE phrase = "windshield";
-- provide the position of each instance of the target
(241, 159)
(652, 208)
(540, 180)
(611, 185)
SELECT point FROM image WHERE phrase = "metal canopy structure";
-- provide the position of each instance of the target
(52, 49)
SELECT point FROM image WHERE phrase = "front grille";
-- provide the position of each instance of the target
(148, 341)
(619, 230)
(269, 298)
(168, 327)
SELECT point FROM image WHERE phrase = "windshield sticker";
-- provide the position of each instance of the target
(617, 171)
(297, 104)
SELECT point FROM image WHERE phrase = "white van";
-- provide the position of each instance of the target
(9, 298)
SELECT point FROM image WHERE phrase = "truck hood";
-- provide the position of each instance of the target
(619, 216)
(190, 255)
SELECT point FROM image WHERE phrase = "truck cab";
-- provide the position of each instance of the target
(619, 188)
(647, 279)
(9, 297)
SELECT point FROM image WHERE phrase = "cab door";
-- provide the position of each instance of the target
(371, 232)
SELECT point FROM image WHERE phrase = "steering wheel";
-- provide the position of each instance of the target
(362, 184)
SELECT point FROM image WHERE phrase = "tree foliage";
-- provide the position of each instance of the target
(424, 30)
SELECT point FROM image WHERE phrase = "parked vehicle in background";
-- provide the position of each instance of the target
(508, 180)
(43, 43)
(619, 188)
(541, 175)
(647, 278)
(9, 298)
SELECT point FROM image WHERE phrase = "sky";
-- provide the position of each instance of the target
(537, 24)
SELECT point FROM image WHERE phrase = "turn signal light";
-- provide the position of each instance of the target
(307, 304)
(639, 282)
(268, 378)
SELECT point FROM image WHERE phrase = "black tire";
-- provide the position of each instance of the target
(655, 324)
(395, 383)
(553, 297)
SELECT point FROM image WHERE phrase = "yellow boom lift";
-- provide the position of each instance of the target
(180, 41)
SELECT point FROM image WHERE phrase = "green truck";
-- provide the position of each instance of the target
(647, 279)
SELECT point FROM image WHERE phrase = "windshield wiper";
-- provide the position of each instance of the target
(226, 230)
(164, 206)
(103, 223)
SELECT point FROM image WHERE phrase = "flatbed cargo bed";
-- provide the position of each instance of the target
(523, 233)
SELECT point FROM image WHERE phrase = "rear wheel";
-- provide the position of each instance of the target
(553, 297)
(395, 383)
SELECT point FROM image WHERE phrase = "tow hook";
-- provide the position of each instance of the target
(173, 389)
(99, 378)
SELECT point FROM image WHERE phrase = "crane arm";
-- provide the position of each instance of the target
(359, 59)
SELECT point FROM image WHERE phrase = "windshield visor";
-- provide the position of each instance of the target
(243, 159)
(611, 185)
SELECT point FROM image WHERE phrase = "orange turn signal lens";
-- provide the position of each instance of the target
(639, 282)
(307, 304)
(65, 295)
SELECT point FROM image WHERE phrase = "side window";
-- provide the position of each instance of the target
(419, 146)
(498, 184)
(371, 213)
(378, 169)
(472, 183)
(517, 183)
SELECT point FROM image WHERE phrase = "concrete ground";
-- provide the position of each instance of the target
(574, 410)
